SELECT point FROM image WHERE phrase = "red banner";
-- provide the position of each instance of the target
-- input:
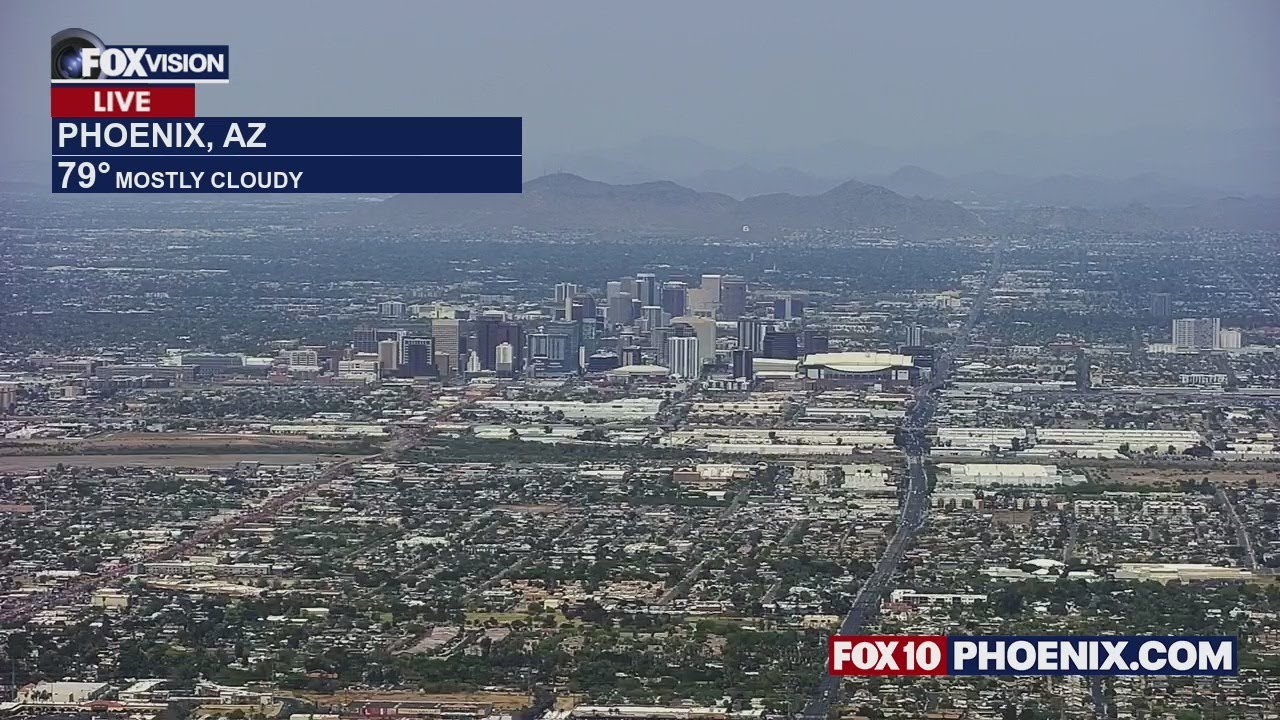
(887, 655)
(123, 101)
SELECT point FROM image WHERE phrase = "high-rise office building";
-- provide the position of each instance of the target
(563, 299)
(550, 352)
(780, 345)
(444, 366)
(652, 316)
(487, 333)
(504, 359)
(733, 297)
(511, 333)
(743, 363)
(788, 308)
(624, 341)
(683, 357)
(711, 285)
(814, 341)
(389, 356)
(675, 298)
(619, 312)
(631, 355)
(1161, 305)
(698, 302)
(450, 341)
(365, 339)
(602, 362)
(418, 352)
(647, 288)
(589, 332)
(564, 291)
(393, 309)
(915, 335)
(1196, 333)
(301, 358)
(705, 330)
(582, 307)
(572, 331)
(8, 396)
(388, 334)
(751, 332)
(658, 341)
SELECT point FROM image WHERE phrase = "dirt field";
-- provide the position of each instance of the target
(1012, 517)
(1225, 478)
(26, 463)
(173, 443)
(531, 509)
(502, 700)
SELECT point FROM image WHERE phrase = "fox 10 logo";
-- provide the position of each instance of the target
(79, 56)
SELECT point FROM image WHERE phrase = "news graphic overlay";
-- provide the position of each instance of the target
(931, 655)
(124, 121)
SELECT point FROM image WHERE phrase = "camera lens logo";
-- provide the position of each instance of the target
(66, 51)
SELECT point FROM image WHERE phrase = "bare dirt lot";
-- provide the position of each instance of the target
(26, 463)
(174, 443)
(509, 701)
(1163, 476)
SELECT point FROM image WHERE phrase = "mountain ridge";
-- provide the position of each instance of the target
(569, 202)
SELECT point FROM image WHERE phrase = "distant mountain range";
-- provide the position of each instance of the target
(985, 188)
(567, 202)
(563, 202)
(1057, 191)
(1090, 168)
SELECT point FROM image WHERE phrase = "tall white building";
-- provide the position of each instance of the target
(751, 332)
(389, 355)
(915, 335)
(652, 315)
(711, 284)
(391, 309)
(504, 357)
(302, 358)
(1196, 333)
(705, 330)
(683, 357)
(448, 335)
(565, 291)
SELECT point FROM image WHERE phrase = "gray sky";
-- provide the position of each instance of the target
(749, 76)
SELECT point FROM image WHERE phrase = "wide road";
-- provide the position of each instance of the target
(913, 439)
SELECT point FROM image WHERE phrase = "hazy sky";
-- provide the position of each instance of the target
(748, 76)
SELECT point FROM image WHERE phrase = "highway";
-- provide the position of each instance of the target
(913, 440)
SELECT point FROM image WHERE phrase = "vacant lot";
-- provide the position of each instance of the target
(27, 463)
(1224, 478)
(508, 701)
(175, 443)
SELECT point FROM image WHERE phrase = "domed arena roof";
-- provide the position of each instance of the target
(856, 362)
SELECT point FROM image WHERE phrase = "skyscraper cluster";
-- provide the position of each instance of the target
(674, 322)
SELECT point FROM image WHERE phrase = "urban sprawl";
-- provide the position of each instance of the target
(249, 473)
